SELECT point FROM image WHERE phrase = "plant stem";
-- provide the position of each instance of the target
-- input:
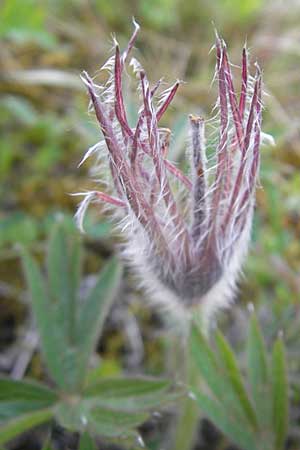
(187, 423)
(188, 420)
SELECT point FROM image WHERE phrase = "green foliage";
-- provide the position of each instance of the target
(93, 311)
(17, 425)
(221, 386)
(131, 395)
(113, 407)
(31, 15)
(86, 442)
(258, 371)
(23, 21)
(69, 327)
(229, 361)
(165, 14)
(25, 229)
(18, 228)
(42, 137)
(113, 423)
(159, 13)
(240, 11)
(19, 397)
(225, 420)
(279, 394)
(255, 418)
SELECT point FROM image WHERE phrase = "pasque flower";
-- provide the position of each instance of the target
(186, 234)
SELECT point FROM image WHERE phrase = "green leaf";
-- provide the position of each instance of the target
(64, 269)
(60, 358)
(16, 426)
(111, 423)
(280, 394)
(26, 390)
(28, 24)
(82, 414)
(214, 375)
(64, 266)
(75, 266)
(58, 266)
(235, 377)
(86, 442)
(226, 422)
(17, 227)
(19, 397)
(95, 308)
(68, 328)
(258, 373)
(71, 414)
(21, 109)
(130, 394)
(52, 340)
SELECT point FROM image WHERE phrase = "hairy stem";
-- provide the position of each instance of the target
(188, 420)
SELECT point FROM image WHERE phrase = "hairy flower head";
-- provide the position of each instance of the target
(186, 235)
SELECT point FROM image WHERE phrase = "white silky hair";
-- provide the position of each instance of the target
(138, 248)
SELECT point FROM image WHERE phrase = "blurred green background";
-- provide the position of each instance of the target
(45, 129)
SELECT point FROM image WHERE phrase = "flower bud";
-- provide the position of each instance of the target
(186, 235)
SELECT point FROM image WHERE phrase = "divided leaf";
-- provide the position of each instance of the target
(114, 407)
(93, 311)
(226, 422)
(48, 328)
(216, 377)
(87, 414)
(18, 425)
(264, 422)
(19, 397)
(68, 328)
(130, 394)
(111, 423)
